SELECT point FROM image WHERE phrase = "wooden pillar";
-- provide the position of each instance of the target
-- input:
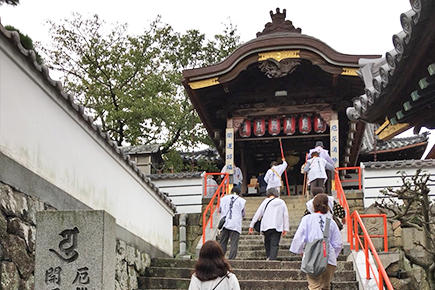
(334, 139)
(229, 148)
(244, 168)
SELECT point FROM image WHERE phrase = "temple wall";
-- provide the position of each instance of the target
(49, 151)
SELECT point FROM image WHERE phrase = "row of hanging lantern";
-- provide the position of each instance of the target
(288, 125)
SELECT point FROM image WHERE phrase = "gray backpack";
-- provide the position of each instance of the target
(315, 258)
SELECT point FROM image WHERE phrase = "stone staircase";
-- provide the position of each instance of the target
(250, 266)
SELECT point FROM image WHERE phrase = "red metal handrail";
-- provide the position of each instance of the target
(368, 245)
(220, 191)
(352, 180)
(343, 201)
(352, 221)
(385, 235)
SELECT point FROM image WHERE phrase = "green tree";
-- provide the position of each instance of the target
(415, 210)
(10, 2)
(26, 42)
(132, 84)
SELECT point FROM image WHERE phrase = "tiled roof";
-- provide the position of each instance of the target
(210, 154)
(14, 39)
(400, 164)
(400, 72)
(139, 149)
(397, 143)
(175, 175)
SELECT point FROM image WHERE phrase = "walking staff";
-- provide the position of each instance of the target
(285, 171)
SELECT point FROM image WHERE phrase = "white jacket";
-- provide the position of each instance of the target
(274, 217)
(273, 179)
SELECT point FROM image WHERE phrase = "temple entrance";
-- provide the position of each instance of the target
(281, 85)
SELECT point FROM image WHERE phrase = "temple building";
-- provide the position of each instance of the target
(283, 87)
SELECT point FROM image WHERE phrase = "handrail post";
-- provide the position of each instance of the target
(350, 231)
(385, 233)
(381, 280)
(355, 234)
(366, 251)
(359, 178)
(204, 217)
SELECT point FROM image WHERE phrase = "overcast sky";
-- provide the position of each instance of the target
(348, 26)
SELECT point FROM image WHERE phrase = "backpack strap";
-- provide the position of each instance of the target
(266, 206)
(223, 278)
(276, 173)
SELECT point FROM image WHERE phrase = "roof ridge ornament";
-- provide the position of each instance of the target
(279, 24)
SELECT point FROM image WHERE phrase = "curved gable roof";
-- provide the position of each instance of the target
(277, 36)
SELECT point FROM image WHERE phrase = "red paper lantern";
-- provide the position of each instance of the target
(259, 127)
(319, 124)
(245, 129)
(274, 126)
(305, 124)
(289, 125)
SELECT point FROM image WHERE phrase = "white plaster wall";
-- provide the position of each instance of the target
(45, 135)
(185, 193)
(375, 180)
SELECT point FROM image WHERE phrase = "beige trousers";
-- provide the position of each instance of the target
(323, 281)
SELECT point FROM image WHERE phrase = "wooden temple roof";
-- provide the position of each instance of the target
(281, 71)
(400, 86)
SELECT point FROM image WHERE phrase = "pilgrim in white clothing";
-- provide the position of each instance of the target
(225, 283)
(323, 153)
(237, 175)
(273, 175)
(310, 229)
(316, 168)
(232, 206)
(310, 206)
(274, 223)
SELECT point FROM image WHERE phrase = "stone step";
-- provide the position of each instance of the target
(258, 237)
(250, 265)
(244, 264)
(183, 283)
(292, 221)
(283, 253)
(251, 274)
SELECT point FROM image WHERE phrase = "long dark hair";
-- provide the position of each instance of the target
(211, 262)
(320, 203)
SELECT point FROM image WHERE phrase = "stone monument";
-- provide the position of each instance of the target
(75, 250)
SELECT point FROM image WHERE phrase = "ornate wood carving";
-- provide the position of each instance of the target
(388, 131)
(278, 69)
(204, 83)
(348, 71)
(326, 116)
(237, 122)
(279, 24)
(279, 55)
